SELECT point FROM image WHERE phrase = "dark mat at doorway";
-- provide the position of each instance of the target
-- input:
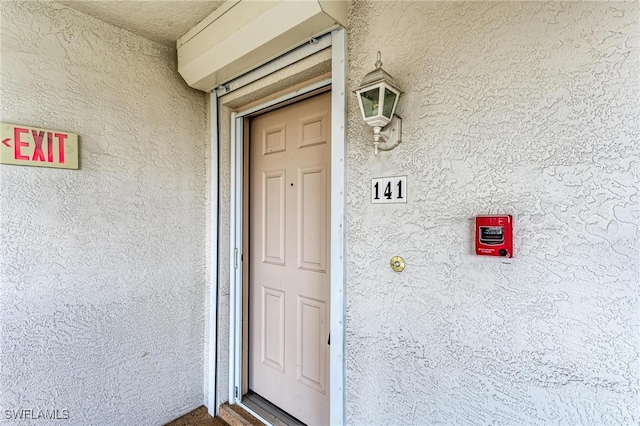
(198, 417)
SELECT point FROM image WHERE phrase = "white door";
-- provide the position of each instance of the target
(289, 242)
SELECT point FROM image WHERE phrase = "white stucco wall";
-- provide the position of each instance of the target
(102, 269)
(524, 108)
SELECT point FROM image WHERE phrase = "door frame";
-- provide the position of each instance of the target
(337, 361)
(307, 92)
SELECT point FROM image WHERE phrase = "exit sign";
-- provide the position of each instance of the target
(31, 146)
(389, 190)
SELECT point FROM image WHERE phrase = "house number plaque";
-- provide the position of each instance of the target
(389, 190)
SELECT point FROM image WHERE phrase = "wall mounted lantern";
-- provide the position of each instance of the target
(378, 96)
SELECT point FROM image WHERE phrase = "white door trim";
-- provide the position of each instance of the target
(212, 350)
(236, 235)
(338, 365)
(337, 373)
(235, 256)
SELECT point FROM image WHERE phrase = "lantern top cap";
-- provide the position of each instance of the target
(378, 75)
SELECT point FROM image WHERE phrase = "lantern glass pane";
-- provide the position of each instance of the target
(370, 100)
(389, 101)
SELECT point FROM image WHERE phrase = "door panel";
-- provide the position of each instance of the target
(273, 216)
(273, 139)
(311, 343)
(288, 248)
(273, 328)
(312, 220)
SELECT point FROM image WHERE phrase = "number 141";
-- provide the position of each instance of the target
(389, 190)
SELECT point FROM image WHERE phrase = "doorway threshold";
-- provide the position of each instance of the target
(268, 411)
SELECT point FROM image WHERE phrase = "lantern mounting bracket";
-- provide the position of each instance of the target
(389, 137)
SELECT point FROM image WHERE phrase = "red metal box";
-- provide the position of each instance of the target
(494, 235)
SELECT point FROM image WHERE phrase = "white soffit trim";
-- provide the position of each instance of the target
(248, 34)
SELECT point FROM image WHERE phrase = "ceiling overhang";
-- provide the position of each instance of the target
(242, 35)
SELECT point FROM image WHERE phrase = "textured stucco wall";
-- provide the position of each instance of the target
(102, 269)
(526, 108)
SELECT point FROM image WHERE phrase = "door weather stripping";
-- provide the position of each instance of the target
(309, 48)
